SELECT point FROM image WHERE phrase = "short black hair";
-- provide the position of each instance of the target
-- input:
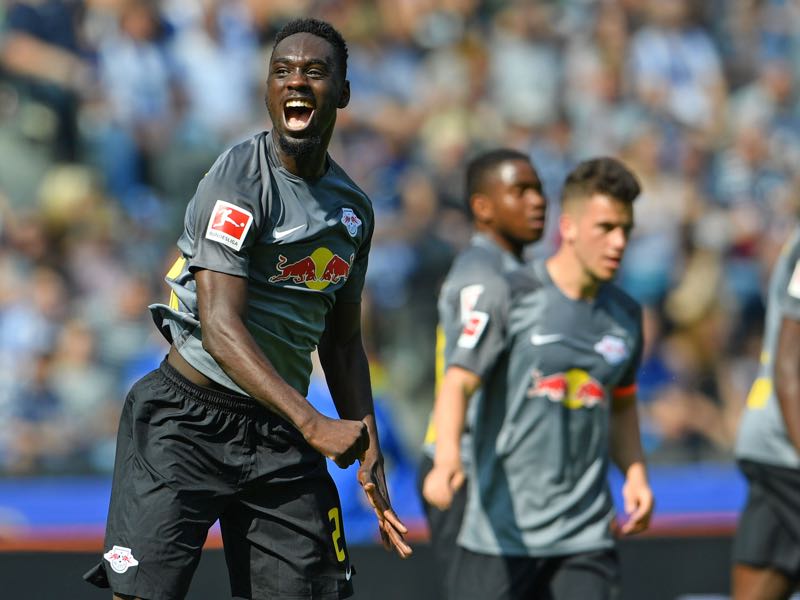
(603, 175)
(480, 167)
(320, 29)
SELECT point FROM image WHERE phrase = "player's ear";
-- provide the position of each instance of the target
(344, 96)
(482, 208)
(567, 227)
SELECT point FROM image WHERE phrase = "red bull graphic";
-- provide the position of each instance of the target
(315, 272)
(574, 389)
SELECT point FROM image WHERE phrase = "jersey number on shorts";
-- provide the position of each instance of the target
(333, 515)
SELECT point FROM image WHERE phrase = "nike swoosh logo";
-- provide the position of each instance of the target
(348, 574)
(538, 339)
(282, 234)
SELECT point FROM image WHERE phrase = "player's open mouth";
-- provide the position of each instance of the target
(297, 114)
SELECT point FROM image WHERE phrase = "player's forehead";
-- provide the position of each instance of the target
(304, 47)
(606, 208)
(517, 171)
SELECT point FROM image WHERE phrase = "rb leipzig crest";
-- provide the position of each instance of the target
(351, 221)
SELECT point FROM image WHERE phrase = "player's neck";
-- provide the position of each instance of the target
(570, 277)
(506, 244)
(310, 163)
(305, 166)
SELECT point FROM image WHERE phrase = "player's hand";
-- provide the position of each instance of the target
(341, 440)
(372, 478)
(639, 502)
(441, 484)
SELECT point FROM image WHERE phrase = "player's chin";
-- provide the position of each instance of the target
(607, 270)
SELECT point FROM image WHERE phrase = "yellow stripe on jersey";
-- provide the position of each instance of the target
(759, 393)
(176, 268)
(430, 433)
(174, 271)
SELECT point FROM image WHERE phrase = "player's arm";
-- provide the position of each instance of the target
(627, 454)
(222, 304)
(787, 377)
(449, 414)
(341, 353)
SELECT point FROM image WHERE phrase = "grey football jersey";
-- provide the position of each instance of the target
(302, 245)
(538, 486)
(479, 267)
(762, 431)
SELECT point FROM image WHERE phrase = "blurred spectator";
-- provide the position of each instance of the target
(41, 48)
(138, 86)
(676, 69)
(217, 62)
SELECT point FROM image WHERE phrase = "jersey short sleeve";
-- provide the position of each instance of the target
(483, 336)
(628, 381)
(225, 217)
(351, 290)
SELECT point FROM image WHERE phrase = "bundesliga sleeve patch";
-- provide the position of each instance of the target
(474, 327)
(468, 298)
(229, 224)
(794, 282)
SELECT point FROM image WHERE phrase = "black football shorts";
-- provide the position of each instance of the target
(187, 456)
(588, 576)
(768, 535)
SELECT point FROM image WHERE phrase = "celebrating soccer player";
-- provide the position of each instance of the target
(273, 257)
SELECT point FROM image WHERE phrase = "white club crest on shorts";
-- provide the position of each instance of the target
(120, 559)
(351, 221)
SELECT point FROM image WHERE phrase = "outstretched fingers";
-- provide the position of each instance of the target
(391, 527)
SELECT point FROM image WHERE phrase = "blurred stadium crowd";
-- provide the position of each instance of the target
(112, 110)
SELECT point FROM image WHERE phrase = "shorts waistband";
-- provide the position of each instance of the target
(227, 401)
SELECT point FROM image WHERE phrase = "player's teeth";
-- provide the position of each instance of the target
(298, 104)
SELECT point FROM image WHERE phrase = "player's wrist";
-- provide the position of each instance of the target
(447, 458)
(309, 425)
(636, 473)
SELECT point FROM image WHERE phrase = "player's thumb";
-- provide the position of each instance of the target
(457, 480)
(631, 503)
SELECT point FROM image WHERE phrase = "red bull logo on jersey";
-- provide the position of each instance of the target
(351, 221)
(574, 389)
(229, 224)
(120, 558)
(316, 272)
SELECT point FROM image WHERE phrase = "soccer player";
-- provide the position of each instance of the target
(561, 346)
(766, 550)
(508, 209)
(273, 256)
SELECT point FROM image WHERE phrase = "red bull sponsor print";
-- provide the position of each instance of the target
(316, 272)
(574, 389)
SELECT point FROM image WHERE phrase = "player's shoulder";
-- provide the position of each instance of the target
(240, 161)
(340, 177)
(476, 265)
(623, 302)
(526, 279)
